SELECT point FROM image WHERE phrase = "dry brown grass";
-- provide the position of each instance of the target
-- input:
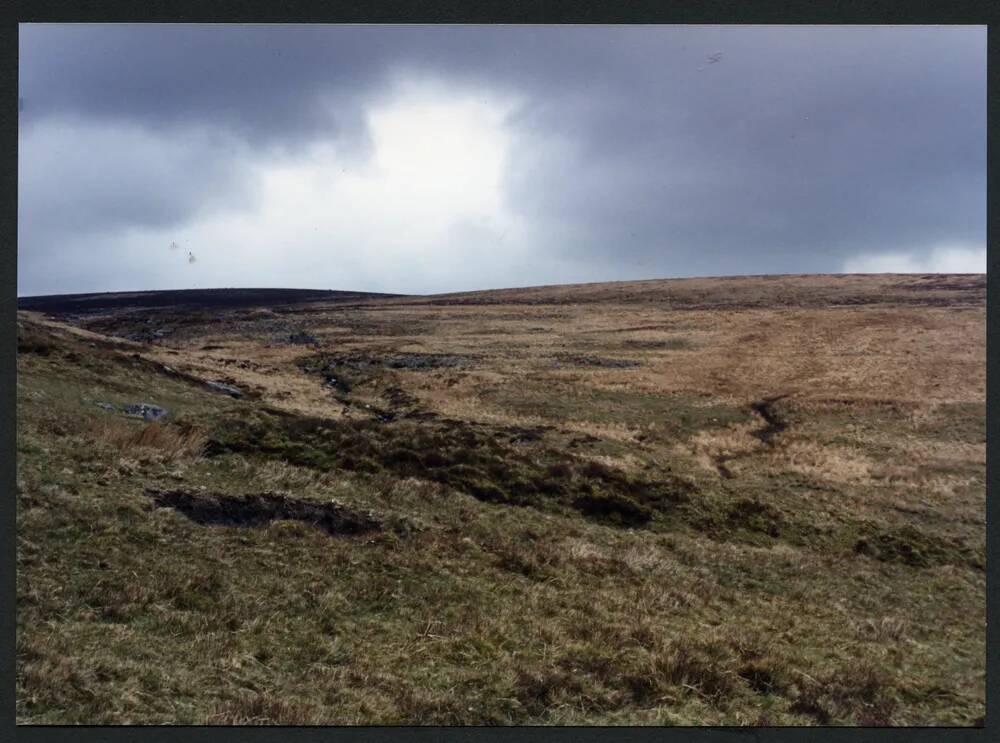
(128, 439)
(269, 371)
(263, 709)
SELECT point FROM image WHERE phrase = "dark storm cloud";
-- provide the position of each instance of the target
(265, 84)
(798, 148)
(147, 182)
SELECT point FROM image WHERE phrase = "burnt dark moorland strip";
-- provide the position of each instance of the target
(189, 298)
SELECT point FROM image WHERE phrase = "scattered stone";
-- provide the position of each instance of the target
(146, 411)
(225, 388)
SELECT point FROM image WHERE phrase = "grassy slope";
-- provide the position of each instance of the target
(834, 577)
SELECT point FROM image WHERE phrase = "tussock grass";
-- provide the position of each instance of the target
(128, 439)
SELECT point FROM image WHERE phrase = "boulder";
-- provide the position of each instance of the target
(146, 411)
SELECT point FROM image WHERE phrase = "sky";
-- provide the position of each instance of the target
(427, 159)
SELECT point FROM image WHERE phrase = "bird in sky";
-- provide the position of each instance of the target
(711, 59)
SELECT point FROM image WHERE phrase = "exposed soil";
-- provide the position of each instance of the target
(775, 423)
(597, 361)
(425, 361)
(257, 510)
(720, 464)
(384, 399)
(670, 344)
(407, 362)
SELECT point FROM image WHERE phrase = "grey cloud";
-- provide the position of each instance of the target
(82, 178)
(264, 84)
(800, 147)
(788, 156)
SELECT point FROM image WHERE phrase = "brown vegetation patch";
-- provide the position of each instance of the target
(860, 693)
(917, 548)
(32, 338)
(478, 459)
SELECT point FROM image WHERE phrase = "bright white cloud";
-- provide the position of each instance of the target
(425, 213)
(942, 259)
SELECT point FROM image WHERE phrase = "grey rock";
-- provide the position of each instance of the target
(104, 405)
(146, 411)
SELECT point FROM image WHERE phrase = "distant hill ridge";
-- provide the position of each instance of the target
(94, 302)
(789, 290)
